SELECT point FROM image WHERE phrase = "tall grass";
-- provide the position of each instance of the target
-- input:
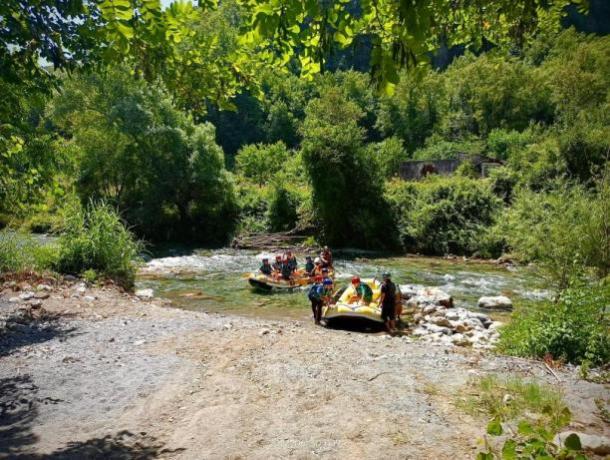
(19, 252)
(94, 238)
(510, 399)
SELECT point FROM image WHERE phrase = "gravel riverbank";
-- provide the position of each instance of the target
(96, 373)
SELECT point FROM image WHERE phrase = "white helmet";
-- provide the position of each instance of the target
(317, 260)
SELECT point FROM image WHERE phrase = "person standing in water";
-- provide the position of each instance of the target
(315, 295)
(388, 303)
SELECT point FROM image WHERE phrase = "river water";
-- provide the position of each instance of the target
(215, 281)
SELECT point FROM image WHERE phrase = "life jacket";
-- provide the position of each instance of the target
(315, 292)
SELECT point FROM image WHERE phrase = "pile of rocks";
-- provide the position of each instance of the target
(436, 320)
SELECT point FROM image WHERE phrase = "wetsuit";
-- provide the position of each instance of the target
(286, 270)
(315, 295)
(388, 306)
(292, 262)
(309, 266)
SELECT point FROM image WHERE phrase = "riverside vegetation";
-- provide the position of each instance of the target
(196, 124)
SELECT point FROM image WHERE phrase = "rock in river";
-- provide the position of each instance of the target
(145, 294)
(497, 302)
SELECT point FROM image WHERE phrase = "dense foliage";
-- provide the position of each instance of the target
(440, 216)
(346, 184)
(94, 238)
(575, 328)
(138, 152)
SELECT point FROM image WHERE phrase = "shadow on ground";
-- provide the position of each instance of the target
(363, 325)
(123, 445)
(17, 413)
(21, 329)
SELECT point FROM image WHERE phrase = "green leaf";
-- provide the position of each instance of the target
(485, 456)
(494, 427)
(509, 450)
(525, 428)
(572, 442)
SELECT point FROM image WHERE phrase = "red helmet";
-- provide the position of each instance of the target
(278, 257)
(355, 280)
(318, 278)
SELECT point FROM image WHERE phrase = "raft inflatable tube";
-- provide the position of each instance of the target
(346, 307)
(267, 283)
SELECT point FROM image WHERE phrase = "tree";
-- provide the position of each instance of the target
(347, 191)
(163, 171)
(261, 162)
(402, 33)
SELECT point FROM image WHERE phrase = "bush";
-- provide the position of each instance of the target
(261, 162)
(443, 215)
(21, 253)
(283, 209)
(438, 148)
(575, 328)
(389, 154)
(94, 238)
(347, 189)
(564, 230)
(253, 205)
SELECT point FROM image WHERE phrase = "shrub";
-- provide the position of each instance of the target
(389, 155)
(94, 238)
(347, 188)
(437, 148)
(20, 253)
(253, 205)
(575, 328)
(282, 214)
(261, 162)
(565, 230)
(443, 215)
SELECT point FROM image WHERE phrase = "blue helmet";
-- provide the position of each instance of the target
(328, 282)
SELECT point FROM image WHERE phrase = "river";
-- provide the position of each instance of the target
(215, 281)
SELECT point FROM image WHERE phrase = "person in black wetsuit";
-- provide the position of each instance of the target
(388, 303)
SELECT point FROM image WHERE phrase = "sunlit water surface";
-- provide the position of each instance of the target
(215, 280)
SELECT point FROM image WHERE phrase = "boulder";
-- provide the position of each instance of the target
(420, 331)
(441, 321)
(499, 302)
(407, 291)
(145, 294)
(594, 443)
(26, 295)
(430, 296)
(433, 328)
(460, 327)
(460, 340)
(44, 287)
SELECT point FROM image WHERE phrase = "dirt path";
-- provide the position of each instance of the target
(106, 375)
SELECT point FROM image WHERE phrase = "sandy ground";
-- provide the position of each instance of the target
(105, 375)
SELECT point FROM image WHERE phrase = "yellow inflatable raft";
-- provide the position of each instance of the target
(347, 305)
(267, 283)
